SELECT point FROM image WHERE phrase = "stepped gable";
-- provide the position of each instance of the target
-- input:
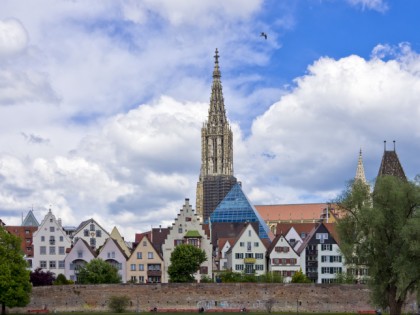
(236, 207)
(391, 165)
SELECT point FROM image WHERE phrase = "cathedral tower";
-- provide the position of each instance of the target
(216, 174)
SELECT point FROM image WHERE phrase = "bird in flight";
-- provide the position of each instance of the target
(264, 35)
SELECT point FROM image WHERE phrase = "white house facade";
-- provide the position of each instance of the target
(112, 253)
(80, 254)
(283, 259)
(91, 232)
(50, 243)
(247, 253)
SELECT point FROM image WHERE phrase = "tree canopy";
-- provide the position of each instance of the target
(185, 261)
(382, 231)
(300, 277)
(15, 287)
(40, 277)
(98, 271)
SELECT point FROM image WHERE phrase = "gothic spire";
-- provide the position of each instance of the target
(360, 172)
(217, 113)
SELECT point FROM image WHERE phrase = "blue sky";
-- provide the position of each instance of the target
(101, 102)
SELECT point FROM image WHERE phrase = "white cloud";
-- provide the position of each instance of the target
(314, 133)
(13, 37)
(377, 5)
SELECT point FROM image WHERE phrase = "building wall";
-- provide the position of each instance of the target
(284, 259)
(92, 233)
(248, 252)
(253, 296)
(113, 254)
(50, 243)
(143, 258)
(187, 220)
(80, 254)
(25, 233)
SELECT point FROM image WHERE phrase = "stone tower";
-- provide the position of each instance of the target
(390, 164)
(216, 174)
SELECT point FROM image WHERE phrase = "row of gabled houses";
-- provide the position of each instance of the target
(235, 246)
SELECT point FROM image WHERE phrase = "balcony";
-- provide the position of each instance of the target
(312, 264)
(312, 275)
(312, 252)
(250, 260)
(52, 242)
(154, 273)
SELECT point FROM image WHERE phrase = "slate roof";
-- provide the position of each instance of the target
(390, 165)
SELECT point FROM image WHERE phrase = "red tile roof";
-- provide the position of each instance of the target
(291, 212)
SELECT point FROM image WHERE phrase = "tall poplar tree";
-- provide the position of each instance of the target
(15, 287)
(382, 231)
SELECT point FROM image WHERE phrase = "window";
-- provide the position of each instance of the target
(61, 264)
(180, 229)
(51, 220)
(141, 279)
(249, 247)
(52, 264)
(133, 279)
(28, 249)
(204, 270)
(61, 250)
(144, 243)
(242, 244)
(150, 255)
(193, 241)
(321, 237)
(43, 264)
(52, 229)
(93, 241)
(98, 233)
(259, 256)
(133, 267)
(335, 258)
(52, 250)
(139, 255)
(249, 255)
(85, 232)
(326, 247)
(239, 267)
(141, 267)
(259, 267)
(52, 240)
(26, 231)
(43, 250)
(79, 254)
(239, 255)
(61, 238)
(249, 232)
(92, 227)
(256, 244)
(178, 242)
(42, 238)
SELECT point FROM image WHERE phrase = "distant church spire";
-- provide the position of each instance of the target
(360, 171)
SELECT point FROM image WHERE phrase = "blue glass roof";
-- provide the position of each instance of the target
(235, 207)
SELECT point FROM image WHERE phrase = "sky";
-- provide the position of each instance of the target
(102, 102)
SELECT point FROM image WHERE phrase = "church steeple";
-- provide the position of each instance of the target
(360, 171)
(217, 113)
(216, 135)
(216, 173)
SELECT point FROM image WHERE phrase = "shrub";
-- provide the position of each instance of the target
(118, 304)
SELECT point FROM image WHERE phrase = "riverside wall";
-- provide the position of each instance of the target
(222, 296)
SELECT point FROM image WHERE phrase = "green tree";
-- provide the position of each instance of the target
(185, 261)
(15, 287)
(118, 304)
(62, 280)
(300, 277)
(98, 271)
(382, 231)
(39, 277)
